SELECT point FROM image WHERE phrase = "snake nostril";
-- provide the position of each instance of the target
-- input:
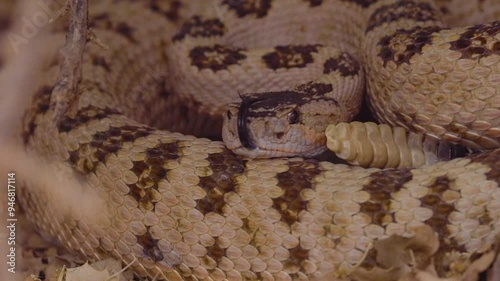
(229, 115)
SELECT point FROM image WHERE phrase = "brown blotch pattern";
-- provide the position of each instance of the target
(380, 188)
(41, 101)
(298, 177)
(406, 9)
(85, 115)
(297, 256)
(170, 9)
(150, 246)
(225, 168)
(491, 159)
(345, 64)
(259, 8)
(101, 21)
(401, 46)
(291, 56)
(439, 220)
(473, 43)
(215, 58)
(102, 143)
(198, 27)
(314, 3)
(362, 3)
(444, 10)
(485, 219)
(215, 251)
(314, 88)
(101, 61)
(441, 210)
(124, 29)
(150, 172)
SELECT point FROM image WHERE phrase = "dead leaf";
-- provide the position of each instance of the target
(398, 256)
(478, 266)
(114, 266)
(87, 273)
(494, 272)
(427, 276)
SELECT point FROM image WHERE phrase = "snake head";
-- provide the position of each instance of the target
(280, 124)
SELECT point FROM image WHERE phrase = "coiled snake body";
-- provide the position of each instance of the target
(187, 208)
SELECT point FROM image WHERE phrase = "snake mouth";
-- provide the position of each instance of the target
(243, 132)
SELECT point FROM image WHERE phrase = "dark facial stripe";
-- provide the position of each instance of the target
(243, 132)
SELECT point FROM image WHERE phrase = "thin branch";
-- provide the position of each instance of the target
(65, 95)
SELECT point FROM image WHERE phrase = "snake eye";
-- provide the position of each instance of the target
(229, 114)
(293, 117)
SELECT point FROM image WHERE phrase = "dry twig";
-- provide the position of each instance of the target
(65, 96)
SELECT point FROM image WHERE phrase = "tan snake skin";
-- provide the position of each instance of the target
(188, 209)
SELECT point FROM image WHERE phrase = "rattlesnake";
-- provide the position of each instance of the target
(187, 208)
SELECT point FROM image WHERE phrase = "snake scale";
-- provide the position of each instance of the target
(186, 208)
